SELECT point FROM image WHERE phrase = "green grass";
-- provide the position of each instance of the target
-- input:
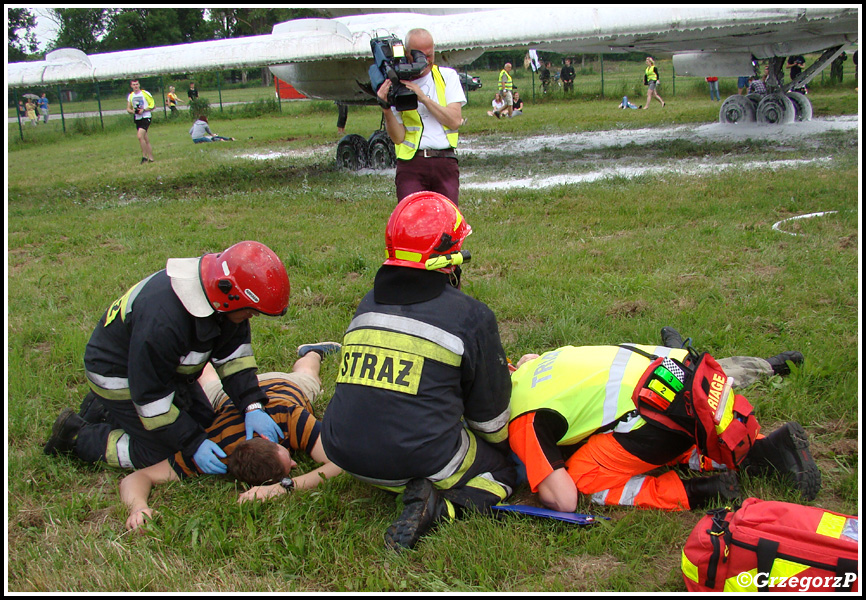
(598, 263)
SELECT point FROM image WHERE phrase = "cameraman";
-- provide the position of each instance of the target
(139, 104)
(425, 139)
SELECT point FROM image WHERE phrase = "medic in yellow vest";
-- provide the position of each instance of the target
(575, 427)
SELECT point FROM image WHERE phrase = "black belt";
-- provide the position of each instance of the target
(431, 153)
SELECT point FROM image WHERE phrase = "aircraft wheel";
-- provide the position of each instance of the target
(352, 153)
(737, 109)
(776, 109)
(802, 106)
(382, 154)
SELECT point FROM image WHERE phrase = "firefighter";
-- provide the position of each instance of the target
(151, 345)
(575, 427)
(421, 401)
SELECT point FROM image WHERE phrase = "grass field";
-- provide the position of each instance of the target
(596, 263)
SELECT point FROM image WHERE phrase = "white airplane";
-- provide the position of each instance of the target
(329, 58)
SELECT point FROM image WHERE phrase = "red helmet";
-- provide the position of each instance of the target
(246, 275)
(424, 225)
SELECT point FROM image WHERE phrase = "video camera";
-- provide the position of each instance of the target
(392, 63)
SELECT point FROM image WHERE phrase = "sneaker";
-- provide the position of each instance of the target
(671, 338)
(143, 160)
(422, 506)
(92, 410)
(785, 452)
(780, 362)
(705, 491)
(64, 433)
(322, 348)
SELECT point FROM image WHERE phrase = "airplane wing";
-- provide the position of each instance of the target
(329, 58)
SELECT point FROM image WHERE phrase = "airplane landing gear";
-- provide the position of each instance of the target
(382, 154)
(776, 109)
(737, 109)
(802, 106)
(352, 153)
(355, 153)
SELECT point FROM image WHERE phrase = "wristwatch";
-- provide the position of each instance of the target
(288, 484)
(253, 406)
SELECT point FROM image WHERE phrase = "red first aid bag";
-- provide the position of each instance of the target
(772, 546)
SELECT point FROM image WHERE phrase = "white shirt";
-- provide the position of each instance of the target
(138, 101)
(434, 134)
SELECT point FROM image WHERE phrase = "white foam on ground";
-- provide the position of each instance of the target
(635, 172)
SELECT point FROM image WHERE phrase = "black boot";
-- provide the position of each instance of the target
(671, 338)
(705, 491)
(64, 433)
(92, 410)
(422, 508)
(786, 452)
(780, 361)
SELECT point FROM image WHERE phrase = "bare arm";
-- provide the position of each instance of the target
(557, 491)
(135, 490)
(307, 481)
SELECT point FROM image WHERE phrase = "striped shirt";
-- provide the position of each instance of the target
(288, 407)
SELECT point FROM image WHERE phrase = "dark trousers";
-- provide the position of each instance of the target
(421, 174)
(122, 441)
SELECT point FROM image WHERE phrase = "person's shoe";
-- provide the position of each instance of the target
(785, 452)
(64, 433)
(422, 507)
(671, 338)
(323, 349)
(143, 159)
(780, 362)
(92, 410)
(705, 491)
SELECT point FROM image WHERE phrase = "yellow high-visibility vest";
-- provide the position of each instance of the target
(415, 127)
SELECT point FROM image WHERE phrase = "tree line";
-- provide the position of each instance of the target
(97, 30)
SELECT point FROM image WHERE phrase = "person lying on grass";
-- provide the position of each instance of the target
(256, 461)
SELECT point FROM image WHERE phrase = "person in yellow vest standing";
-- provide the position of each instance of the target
(651, 78)
(139, 104)
(425, 139)
(506, 85)
(575, 427)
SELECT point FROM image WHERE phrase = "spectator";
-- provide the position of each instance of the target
(192, 93)
(43, 108)
(200, 132)
(139, 103)
(506, 86)
(626, 104)
(517, 106)
(498, 106)
(566, 76)
(796, 64)
(30, 109)
(714, 88)
(544, 74)
(173, 100)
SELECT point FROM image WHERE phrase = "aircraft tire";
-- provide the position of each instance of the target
(802, 106)
(352, 153)
(381, 154)
(776, 109)
(737, 109)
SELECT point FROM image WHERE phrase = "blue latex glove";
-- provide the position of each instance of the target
(258, 421)
(206, 458)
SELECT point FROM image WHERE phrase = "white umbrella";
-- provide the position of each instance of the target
(34, 96)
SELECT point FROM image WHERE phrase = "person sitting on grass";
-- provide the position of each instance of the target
(498, 106)
(200, 132)
(256, 461)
